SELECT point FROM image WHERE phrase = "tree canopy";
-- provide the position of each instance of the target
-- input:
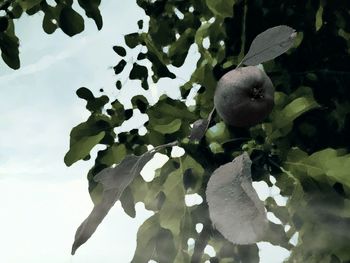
(302, 147)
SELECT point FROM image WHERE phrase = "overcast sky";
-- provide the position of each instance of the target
(43, 201)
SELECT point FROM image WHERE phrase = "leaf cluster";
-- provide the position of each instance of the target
(303, 144)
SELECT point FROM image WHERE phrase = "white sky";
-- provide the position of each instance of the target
(43, 201)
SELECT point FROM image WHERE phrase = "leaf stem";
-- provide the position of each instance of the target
(174, 143)
(243, 34)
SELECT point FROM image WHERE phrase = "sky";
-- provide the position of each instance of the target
(42, 200)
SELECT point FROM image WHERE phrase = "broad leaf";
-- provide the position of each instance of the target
(328, 162)
(269, 44)
(198, 130)
(173, 209)
(221, 8)
(71, 22)
(234, 207)
(114, 181)
(81, 148)
(122, 175)
(200, 127)
(154, 242)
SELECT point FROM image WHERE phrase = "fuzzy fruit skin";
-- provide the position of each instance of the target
(244, 97)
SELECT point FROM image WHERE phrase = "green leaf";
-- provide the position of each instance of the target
(132, 40)
(119, 67)
(70, 21)
(9, 49)
(4, 23)
(328, 162)
(221, 8)
(171, 127)
(173, 209)
(114, 154)
(28, 4)
(92, 11)
(138, 72)
(120, 51)
(154, 242)
(283, 117)
(81, 148)
(48, 26)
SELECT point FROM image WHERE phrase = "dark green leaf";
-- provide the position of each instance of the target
(120, 51)
(9, 49)
(70, 21)
(154, 242)
(27, 4)
(92, 11)
(119, 67)
(3, 23)
(132, 40)
(138, 72)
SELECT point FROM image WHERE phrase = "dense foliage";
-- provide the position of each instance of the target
(61, 15)
(304, 143)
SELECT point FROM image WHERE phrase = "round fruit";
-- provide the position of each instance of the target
(244, 96)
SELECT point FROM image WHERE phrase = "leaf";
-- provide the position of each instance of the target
(81, 148)
(100, 210)
(138, 72)
(328, 162)
(200, 127)
(28, 4)
(128, 202)
(234, 207)
(168, 128)
(173, 209)
(114, 181)
(92, 11)
(198, 130)
(269, 44)
(221, 8)
(154, 242)
(123, 174)
(119, 67)
(294, 109)
(71, 22)
(132, 40)
(9, 44)
(120, 51)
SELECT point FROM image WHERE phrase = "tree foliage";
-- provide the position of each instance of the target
(303, 144)
(61, 15)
